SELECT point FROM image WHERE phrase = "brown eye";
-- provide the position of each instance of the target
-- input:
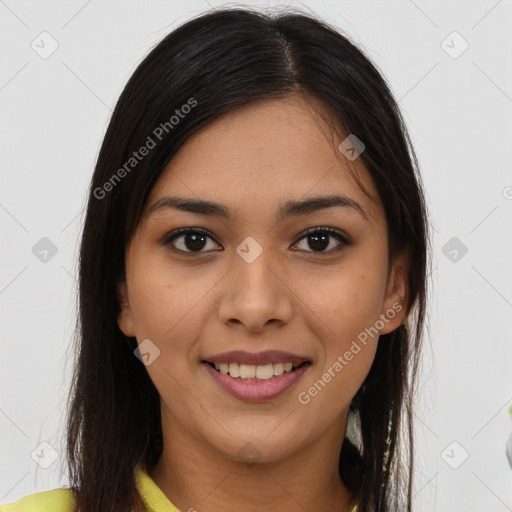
(195, 240)
(190, 240)
(319, 239)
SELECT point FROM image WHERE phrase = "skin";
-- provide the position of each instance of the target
(308, 301)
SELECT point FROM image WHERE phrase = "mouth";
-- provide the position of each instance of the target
(255, 373)
(256, 377)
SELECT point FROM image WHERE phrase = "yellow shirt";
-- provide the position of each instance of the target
(62, 500)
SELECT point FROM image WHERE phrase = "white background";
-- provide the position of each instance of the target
(54, 113)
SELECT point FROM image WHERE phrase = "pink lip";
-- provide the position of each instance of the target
(257, 391)
(256, 359)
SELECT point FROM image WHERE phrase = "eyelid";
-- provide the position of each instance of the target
(173, 235)
(326, 229)
(342, 237)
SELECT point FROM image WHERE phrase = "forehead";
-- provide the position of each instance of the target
(263, 154)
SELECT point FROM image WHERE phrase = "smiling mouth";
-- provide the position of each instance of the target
(253, 373)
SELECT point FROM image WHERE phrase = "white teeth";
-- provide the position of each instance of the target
(234, 369)
(278, 368)
(249, 371)
(265, 372)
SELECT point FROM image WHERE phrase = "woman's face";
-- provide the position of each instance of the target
(255, 282)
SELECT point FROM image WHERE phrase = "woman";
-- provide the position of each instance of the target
(253, 277)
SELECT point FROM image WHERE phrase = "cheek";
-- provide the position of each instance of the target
(166, 299)
(347, 298)
(345, 303)
(345, 309)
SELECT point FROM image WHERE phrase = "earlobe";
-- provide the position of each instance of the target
(394, 310)
(124, 318)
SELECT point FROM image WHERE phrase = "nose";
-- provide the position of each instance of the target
(256, 295)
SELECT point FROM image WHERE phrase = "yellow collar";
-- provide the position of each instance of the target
(152, 494)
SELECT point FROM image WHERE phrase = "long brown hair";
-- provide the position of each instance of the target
(224, 60)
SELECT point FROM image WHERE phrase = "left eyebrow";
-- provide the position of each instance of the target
(287, 209)
(294, 208)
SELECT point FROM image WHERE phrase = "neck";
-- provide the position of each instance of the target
(196, 476)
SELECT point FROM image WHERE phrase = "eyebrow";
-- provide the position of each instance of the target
(287, 209)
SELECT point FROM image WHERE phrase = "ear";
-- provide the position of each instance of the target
(124, 319)
(395, 305)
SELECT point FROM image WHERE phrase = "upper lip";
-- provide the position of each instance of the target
(256, 359)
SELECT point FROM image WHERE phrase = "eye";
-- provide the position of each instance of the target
(193, 240)
(319, 239)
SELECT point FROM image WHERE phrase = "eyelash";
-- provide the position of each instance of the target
(341, 237)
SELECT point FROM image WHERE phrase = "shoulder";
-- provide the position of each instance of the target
(56, 500)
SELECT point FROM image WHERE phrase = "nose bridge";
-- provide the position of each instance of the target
(256, 293)
(254, 267)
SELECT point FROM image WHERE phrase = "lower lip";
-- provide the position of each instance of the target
(257, 391)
